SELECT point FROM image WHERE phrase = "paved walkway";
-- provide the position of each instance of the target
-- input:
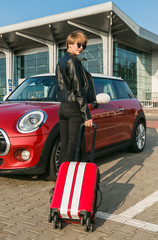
(152, 124)
(152, 119)
(129, 210)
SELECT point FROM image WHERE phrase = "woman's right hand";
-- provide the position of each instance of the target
(88, 123)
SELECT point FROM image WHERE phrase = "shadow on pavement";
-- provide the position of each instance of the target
(115, 181)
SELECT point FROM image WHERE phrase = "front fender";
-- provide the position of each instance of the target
(45, 155)
(140, 116)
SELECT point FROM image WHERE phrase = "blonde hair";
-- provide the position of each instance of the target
(76, 36)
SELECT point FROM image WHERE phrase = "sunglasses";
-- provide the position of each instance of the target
(83, 45)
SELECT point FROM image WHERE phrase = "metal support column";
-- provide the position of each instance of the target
(105, 55)
(110, 52)
(110, 40)
(9, 69)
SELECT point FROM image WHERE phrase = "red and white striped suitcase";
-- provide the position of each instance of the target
(75, 194)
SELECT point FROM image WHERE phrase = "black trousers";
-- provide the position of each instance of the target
(70, 120)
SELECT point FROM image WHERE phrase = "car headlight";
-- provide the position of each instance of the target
(31, 121)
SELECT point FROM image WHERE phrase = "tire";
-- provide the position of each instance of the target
(139, 138)
(53, 166)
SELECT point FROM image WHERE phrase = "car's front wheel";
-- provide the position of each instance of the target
(139, 138)
(54, 161)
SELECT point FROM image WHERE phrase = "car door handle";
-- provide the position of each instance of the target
(121, 109)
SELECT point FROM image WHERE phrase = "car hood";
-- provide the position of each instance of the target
(10, 112)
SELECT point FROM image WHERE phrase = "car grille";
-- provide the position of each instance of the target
(4, 143)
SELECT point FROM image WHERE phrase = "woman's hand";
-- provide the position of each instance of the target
(88, 123)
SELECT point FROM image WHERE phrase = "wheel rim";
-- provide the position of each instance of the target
(57, 157)
(140, 136)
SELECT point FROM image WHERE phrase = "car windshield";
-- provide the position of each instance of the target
(43, 88)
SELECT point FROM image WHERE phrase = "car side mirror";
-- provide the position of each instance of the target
(102, 98)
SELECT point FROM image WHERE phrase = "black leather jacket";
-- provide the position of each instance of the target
(75, 84)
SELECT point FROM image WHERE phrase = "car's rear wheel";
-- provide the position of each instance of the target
(139, 138)
(54, 161)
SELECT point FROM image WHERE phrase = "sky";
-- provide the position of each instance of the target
(143, 12)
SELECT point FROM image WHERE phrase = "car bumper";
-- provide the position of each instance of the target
(34, 165)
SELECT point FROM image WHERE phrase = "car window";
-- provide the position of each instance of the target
(36, 88)
(103, 85)
(122, 90)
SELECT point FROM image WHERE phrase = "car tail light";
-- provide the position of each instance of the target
(22, 155)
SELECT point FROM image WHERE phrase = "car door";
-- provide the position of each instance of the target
(128, 104)
(108, 117)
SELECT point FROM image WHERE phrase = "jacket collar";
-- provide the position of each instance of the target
(71, 55)
(74, 56)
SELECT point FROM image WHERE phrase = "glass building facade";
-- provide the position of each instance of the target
(93, 54)
(135, 67)
(2, 78)
(31, 64)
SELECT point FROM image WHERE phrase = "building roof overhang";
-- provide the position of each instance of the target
(56, 28)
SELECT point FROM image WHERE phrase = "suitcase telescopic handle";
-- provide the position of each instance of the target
(79, 141)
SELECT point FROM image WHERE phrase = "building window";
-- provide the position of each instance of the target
(94, 56)
(2, 78)
(135, 67)
(28, 65)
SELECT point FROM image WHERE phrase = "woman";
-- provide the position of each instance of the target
(75, 91)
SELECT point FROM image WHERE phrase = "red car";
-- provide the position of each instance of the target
(29, 125)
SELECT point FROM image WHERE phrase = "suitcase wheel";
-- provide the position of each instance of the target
(88, 222)
(57, 222)
(88, 226)
(91, 227)
(82, 221)
(60, 224)
(50, 218)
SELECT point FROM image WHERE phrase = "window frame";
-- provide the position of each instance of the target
(116, 94)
